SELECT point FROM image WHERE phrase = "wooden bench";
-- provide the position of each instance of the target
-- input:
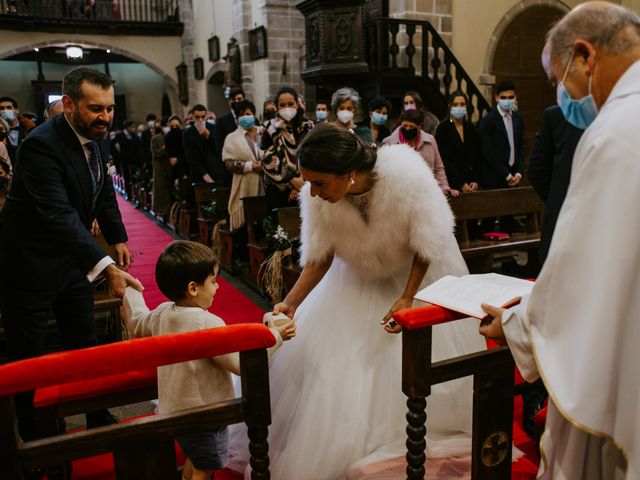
(142, 448)
(255, 211)
(493, 390)
(519, 201)
(289, 219)
(206, 193)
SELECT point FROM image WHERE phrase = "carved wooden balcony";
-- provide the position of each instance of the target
(98, 17)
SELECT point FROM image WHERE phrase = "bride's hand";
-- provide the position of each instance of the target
(389, 324)
(283, 307)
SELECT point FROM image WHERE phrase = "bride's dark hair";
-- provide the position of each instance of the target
(330, 148)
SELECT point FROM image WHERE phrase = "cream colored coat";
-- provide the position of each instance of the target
(245, 184)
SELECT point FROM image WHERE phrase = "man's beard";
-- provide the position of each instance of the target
(84, 128)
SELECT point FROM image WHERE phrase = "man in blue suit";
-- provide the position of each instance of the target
(501, 140)
(48, 258)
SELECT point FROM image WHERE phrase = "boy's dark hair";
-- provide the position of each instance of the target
(151, 116)
(128, 123)
(9, 99)
(182, 262)
(413, 116)
(378, 103)
(504, 85)
(323, 102)
(72, 81)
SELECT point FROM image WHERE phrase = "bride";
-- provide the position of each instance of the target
(375, 229)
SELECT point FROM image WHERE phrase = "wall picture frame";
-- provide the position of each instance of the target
(198, 68)
(214, 48)
(258, 43)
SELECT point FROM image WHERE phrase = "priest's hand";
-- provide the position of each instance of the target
(491, 326)
(118, 280)
(389, 324)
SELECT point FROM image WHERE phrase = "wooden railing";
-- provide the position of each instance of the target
(83, 11)
(415, 47)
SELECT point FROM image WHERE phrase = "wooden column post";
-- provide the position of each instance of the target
(416, 385)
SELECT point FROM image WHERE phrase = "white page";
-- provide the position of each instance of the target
(465, 294)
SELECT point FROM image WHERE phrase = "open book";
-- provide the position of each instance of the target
(465, 294)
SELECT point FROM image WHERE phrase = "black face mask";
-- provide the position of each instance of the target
(269, 114)
(409, 134)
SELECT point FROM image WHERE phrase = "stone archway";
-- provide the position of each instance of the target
(171, 86)
(514, 54)
(215, 89)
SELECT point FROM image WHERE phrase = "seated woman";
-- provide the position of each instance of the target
(279, 142)
(410, 133)
(375, 229)
(459, 147)
(242, 156)
(344, 103)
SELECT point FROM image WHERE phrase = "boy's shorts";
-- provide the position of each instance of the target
(207, 450)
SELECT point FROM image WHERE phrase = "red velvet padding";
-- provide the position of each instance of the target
(143, 353)
(96, 387)
(426, 316)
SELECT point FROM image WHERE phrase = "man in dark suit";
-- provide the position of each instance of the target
(501, 141)
(228, 122)
(550, 168)
(48, 258)
(199, 146)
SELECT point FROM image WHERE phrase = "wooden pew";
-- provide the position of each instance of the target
(143, 448)
(205, 193)
(289, 219)
(493, 390)
(520, 201)
(255, 210)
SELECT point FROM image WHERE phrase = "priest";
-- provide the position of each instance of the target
(579, 330)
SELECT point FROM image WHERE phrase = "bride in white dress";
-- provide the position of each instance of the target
(375, 229)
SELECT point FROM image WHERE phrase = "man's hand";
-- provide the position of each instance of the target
(173, 161)
(118, 280)
(204, 131)
(207, 178)
(297, 183)
(95, 229)
(124, 257)
(492, 327)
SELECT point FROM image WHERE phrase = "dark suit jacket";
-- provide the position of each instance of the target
(11, 149)
(126, 151)
(225, 125)
(462, 160)
(44, 226)
(201, 154)
(550, 168)
(496, 150)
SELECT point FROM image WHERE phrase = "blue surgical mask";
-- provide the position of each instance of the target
(8, 115)
(507, 104)
(379, 118)
(458, 112)
(247, 121)
(211, 122)
(321, 114)
(579, 113)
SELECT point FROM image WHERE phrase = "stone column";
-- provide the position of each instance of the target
(186, 17)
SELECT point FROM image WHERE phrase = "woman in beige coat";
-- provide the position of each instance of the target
(242, 155)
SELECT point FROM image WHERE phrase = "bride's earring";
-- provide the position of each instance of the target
(353, 180)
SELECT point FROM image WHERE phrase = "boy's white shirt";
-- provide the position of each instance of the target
(187, 384)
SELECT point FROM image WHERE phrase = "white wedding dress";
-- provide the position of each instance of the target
(336, 396)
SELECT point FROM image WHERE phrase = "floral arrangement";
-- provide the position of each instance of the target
(282, 250)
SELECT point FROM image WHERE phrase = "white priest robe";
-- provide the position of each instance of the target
(580, 328)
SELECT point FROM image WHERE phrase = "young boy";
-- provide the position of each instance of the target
(186, 274)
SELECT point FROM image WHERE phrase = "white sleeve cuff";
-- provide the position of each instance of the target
(516, 331)
(99, 267)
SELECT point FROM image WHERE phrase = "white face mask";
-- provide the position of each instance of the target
(166, 130)
(345, 116)
(288, 113)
